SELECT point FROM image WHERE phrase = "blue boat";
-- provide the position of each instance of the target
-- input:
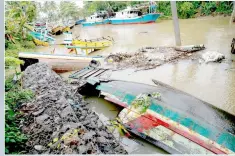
(148, 18)
(43, 36)
(134, 16)
(79, 21)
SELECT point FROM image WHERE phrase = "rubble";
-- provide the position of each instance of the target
(60, 122)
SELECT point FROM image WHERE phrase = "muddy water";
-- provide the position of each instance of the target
(213, 82)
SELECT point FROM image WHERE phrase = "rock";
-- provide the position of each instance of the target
(82, 149)
(58, 116)
(38, 112)
(39, 147)
(101, 139)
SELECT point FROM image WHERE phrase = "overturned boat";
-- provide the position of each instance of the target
(164, 116)
(60, 63)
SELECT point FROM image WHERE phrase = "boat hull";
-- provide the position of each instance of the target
(148, 18)
(105, 21)
(58, 62)
(80, 21)
(176, 122)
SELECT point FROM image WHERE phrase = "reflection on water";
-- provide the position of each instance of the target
(213, 82)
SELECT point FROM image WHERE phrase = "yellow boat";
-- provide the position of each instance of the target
(100, 42)
(66, 29)
(40, 43)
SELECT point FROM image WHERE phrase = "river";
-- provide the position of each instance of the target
(212, 82)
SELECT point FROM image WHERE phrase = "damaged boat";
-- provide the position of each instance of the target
(164, 116)
(58, 62)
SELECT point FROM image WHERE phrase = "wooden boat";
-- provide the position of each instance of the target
(42, 38)
(57, 30)
(104, 41)
(59, 62)
(166, 117)
(66, 29)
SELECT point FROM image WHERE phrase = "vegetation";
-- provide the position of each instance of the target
(14, 97)
(186, 9)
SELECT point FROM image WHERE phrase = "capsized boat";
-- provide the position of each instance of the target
(60, 63)
(164, 116)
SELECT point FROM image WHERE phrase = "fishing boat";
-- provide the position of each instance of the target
(88, 46)
(96, 19)
(133, 16)
(80, 21)
(42, 38)
(164, 116)
(58, 62)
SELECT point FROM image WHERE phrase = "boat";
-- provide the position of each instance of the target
(58, 62)
(99, 18)
(42, 38)
(133, 16)
(103, 41)
(168, 118)
(80, 21)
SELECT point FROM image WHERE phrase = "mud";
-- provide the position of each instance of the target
(147, 58)
(58, 121)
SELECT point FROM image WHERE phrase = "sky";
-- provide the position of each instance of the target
(78, 2)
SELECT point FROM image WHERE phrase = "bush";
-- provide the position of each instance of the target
(14, 97)
(29, 37)
(28, 45)
(12, 62)
(186, 10)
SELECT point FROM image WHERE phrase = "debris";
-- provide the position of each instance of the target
(190, 48)
(212, 56)
(145, 58)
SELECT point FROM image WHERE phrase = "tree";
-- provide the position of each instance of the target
(17, 14)
(69, 10)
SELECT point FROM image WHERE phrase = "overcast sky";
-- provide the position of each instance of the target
(78, 2)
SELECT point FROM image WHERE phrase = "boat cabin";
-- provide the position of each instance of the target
(94, 18)
(128, 13)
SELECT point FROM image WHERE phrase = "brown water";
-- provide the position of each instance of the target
(213, 82)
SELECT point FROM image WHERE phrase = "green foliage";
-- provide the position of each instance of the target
(14, 97)
(12, 62)
(68, 9)
(189, 9)
(186, 10)
(17, 14)
(164, 7)
(28, 44)
(29, 37)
